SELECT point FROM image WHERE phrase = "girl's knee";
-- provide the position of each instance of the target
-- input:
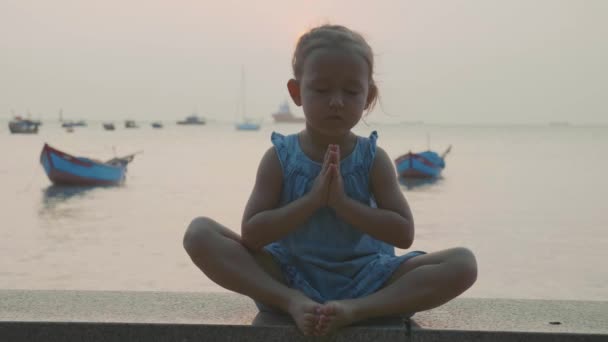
(197, 233)
(466, 265)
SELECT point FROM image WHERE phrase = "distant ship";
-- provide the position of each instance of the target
(192, 120)
(284, 115)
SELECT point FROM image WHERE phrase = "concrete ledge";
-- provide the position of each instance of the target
(155, 316)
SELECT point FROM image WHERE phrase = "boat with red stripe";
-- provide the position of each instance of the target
(65, 169)
(427, 164)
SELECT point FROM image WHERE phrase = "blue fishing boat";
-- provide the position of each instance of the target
(426, 164)
(65, 169)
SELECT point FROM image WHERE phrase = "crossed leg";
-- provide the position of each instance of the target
(421, 283)
(219, 253)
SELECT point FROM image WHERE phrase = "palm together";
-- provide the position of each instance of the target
(328, 188)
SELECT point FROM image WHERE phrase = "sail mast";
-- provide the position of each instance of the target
(243, 109)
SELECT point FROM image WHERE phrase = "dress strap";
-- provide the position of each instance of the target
(372, 143)
(280, 146)
(371, 152)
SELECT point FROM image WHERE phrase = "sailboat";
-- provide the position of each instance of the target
(245, 123)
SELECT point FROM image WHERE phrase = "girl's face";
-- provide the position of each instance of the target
(333, 90)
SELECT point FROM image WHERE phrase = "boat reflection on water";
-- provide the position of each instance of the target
(54, 194)
(419, 183)
(61, 202)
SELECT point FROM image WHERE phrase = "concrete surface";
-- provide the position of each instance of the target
(166, 316)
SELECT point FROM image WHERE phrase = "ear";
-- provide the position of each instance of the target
(293, 86)
(371, 95)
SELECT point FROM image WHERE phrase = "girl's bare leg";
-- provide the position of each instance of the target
(219, 253)
(421, 283)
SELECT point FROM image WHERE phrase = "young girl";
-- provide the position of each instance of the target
(319, 230)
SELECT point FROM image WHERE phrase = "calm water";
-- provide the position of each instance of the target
(529, 201)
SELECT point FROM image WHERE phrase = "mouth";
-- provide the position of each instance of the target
(334, 118)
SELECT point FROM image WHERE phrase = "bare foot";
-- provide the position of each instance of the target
(333, 316)
(303, 311)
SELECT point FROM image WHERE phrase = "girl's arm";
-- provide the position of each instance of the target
(263, 222)
(392, 221)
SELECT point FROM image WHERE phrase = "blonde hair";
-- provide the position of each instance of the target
(335, 36)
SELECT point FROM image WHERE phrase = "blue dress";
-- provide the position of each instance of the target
(326, 258)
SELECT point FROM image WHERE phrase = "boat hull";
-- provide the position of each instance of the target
(64, 169)
(420, 165)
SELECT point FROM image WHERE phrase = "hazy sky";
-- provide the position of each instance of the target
(452, 61)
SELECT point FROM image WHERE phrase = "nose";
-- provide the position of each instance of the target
(336, 101)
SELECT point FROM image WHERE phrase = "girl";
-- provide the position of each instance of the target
(319, 230)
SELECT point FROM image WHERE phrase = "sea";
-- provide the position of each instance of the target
(530, 201)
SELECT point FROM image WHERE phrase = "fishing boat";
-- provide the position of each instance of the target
(108, 126)
(23, 126)
(427, 164)
(284, 115)
(66, 169)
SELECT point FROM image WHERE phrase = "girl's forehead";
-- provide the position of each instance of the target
(324, 62)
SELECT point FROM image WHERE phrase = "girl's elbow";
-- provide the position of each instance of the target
(405, 243)
(407, 237)
(408, 243)
(249, 241)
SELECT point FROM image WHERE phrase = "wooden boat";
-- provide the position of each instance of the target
(426, 164)
(65, 169)
(23, 126)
